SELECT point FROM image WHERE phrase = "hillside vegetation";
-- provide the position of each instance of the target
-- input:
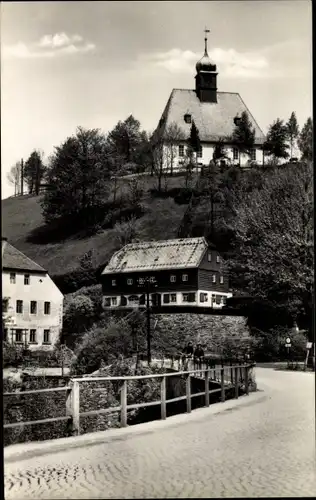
(24, 226)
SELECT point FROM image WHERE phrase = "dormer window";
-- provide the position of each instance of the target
(237, 120)
(187, 118)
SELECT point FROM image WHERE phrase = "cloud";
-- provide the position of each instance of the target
(49, 46)
(230, 62)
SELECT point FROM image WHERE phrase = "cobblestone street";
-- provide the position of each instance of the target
(261, 448)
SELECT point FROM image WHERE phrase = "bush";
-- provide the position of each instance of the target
(270, 345)
(106, 340)
(12, 354)
(78, 314)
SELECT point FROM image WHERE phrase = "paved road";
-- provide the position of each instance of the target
(265, 449)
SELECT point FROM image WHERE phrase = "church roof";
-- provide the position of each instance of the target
(13, 259)
(213, 120)
(158, 255)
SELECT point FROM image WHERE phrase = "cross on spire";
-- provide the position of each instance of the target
(206, 31)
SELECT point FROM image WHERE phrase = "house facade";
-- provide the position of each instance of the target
(32, 305)
(177, 272)
(215, 115)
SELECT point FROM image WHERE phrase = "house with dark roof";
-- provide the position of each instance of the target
(32, 305)
(215, 115)
(177, 272)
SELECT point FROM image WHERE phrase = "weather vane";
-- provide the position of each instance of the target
(206, 31)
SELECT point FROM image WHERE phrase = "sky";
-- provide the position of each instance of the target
(91, 64)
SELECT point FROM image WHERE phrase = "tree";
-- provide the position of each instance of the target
(79, 176)
(244, 134)
(305, 141)
(194, 142)
(275, 143)
(14, 177)
(78, 314)
(125, 139)
(273, 249)
(173, 135)
(292, 131)
(34, 171)
(220, 152)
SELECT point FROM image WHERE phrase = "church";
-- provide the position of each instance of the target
(215, 115)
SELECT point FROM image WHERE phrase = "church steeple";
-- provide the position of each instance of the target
(206, 77)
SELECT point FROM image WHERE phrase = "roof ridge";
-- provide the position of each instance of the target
(25, 256)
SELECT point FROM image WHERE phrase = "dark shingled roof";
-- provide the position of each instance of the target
(158, 255)
(14, 259)
(213, 120)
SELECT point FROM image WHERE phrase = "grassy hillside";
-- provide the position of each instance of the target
(22, 218)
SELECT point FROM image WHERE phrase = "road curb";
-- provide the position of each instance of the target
(26, 451)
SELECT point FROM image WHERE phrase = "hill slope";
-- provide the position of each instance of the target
(22, 217)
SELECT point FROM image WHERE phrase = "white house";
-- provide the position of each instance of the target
(32, 305)
(215, 115)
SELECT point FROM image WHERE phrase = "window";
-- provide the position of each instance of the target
(253, 154)
(209, 257)
(12, 278)
(217, 259)
(18, 336)
(46, 337)
(32, 336)
(221, 280)
(106, 302)
(114, 301)
(214, 278)
(184, 277)
(5, 334)
(181, 150)
(113, 282)
(5, 305)
(33, 307)
(200, 152)
(173, 297)
(46, 307)
(224, 300)
(187, 118)
(203, 297)
(218, 299)
(189, 297)
(123, 301)
(19, 306)
(172, 279)
(26, 279)
(129, 281)
(213, 298)
(166, 298)
(235, 153)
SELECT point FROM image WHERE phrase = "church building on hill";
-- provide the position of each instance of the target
(215, 115)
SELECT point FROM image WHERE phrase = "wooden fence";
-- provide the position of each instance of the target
(239, 375)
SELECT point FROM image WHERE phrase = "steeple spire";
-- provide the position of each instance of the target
(206, 31)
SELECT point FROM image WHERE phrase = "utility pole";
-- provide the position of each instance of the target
(148, 322)
(22, 176)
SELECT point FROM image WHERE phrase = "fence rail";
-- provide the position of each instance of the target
(238, 375)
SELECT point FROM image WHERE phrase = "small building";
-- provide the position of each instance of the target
(32, 305)
(215, 115)
(177, 272)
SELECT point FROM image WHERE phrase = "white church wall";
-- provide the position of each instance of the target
(172, 159)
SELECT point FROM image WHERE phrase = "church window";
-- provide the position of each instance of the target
(181, 150)
(187, 118)
(253, 155)
(235, 153)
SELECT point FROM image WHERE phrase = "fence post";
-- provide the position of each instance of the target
(124, 404)
(188, 392)
(73, 406)
(222, 386)
(247, 379)
(163, 398)
(236, 383)
(207, 388)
